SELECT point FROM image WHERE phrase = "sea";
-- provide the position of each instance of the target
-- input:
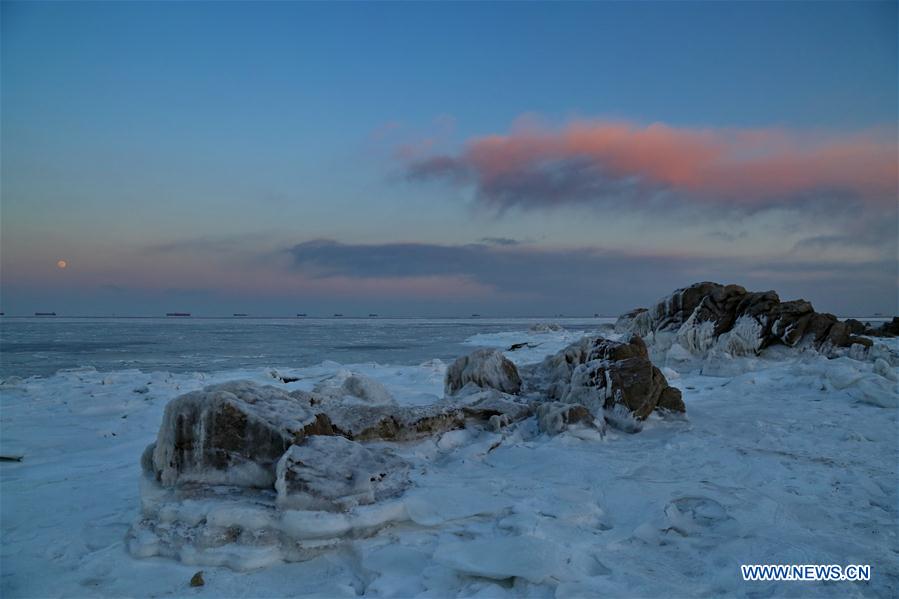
(42, 346)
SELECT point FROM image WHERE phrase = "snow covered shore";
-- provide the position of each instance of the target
(786, 457)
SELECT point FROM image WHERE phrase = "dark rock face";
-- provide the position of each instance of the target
(612, 379)
(887, 329)
(486, 368)
(856, 327)
(670, 399)
(750, 321)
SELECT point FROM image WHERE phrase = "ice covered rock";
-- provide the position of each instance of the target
(708, 315)
(232, 433)
(353, 387)
(487, 368)
(364, 422)
(612, 379)
(637, 321)
(555, 417)
(361, 422)
(334, 474)
(492, 404)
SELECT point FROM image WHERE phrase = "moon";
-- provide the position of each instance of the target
(62, 264)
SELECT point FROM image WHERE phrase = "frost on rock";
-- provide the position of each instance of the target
(637, 321)
(490, 403)
(487, 368)
(556, 417)
(707, 316)
(361, 422)
(351, 387)
(335, 474)
(612, 379)
(231, 433)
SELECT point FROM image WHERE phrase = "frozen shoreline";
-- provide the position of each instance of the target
(781, 461)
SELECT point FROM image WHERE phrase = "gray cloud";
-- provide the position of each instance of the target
(586, 280)
(499, 241)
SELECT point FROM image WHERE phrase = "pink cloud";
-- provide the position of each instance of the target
(590, 159)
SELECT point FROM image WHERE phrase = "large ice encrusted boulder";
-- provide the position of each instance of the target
(708, 315)
(232, 433)
(487, 368)
(335, 474)
(613, 379)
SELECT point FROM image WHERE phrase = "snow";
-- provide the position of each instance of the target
(784, 457)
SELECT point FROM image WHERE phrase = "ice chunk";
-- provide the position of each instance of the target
(882, 367)
(435, 505)
(334, 473)
(530, 558)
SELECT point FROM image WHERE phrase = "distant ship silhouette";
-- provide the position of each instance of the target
(45, 313)
(177, 313)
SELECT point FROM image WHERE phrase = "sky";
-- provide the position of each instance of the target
(427, 159)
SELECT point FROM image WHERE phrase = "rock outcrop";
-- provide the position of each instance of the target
(247, 475)
(887, 329)
(390, 423)
(486, 368)
(614, 380)
(706, 315)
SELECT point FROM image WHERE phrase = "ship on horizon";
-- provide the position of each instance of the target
(180, 314)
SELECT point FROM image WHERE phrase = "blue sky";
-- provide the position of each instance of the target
(219, 157)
